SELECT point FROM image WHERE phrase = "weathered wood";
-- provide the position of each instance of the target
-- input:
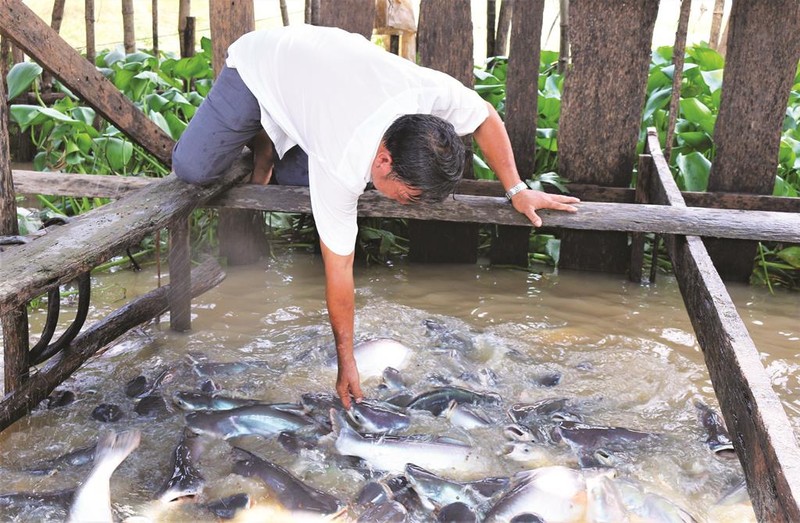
(610, 49)
(510, 245)
(716, 25)
(89, 19)
(154, 12)
(678, 59)
(242, 239)
(140, 310)
(22, 25)
(442, 22)
(491, 21)
(503, 27)
(284, 12)
(180, 267)
(15, 321)
(356, 16)
(184, 10)
(761, 431)
(73, 184)
(644, 171)
(128, 33)
(89, 239)
(751, 112)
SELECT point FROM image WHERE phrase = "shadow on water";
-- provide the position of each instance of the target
(623, 354)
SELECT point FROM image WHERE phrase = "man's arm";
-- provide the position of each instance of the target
(493, 140)
(340, 296)
(263, 158)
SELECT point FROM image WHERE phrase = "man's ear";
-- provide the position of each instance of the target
(383, 161)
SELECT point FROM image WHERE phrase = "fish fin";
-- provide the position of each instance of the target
(112, 448)
(339, 425)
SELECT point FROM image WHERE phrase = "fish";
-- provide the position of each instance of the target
(151, 406)
(373, 356)
(227, 507)
(527, 453)
(546, 410)
(386, 512)
(436, 491)
(604, 502)
(391, 379)
(107, 413)
(650, 506)
(587, 438)
(392, 453)
(717, 438)
(191, 401)
(438, 399)
(92, 501)
(75, 458)
(377, 417)
(214, 369)
(457, 512)
(554, 493)
(290, 491)
(466, 416)
(260, 420)
(186, 480)
(60, 398)
(448, 340)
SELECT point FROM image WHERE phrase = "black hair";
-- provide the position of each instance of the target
(427, 154)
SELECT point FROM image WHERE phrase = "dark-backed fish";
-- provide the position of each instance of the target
(466, 416)
(229, 506)
(436, 491)
(551, 493)
(386, 512)
(74, 458)
(191, 401)
(259, 420)
(377, 417)
(107, 413)
(457, 512)
(436, 400)
(92, 500)
(588, 438)
(292, 493)
(717, 437)
(186, 480)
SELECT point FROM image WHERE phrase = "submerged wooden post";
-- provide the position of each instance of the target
(180, 281)
(15, 322)
(442, 22)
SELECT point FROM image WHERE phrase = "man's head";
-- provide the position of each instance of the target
(426, 155)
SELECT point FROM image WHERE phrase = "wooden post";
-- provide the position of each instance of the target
(15, 322)
(442, 22)
(563, 44)
(184, 8)
(91, 52)
(491, 21)
(284, 12)
(678, 59)
(55, 23)
(753, 104)
(510, 244)
(356, 16)
(610, 49)
(128, 34)
(503, 27)
(188, 43)
(716, 24)
(154, 12)
(180, 281)
(242, 238)
(645, 172)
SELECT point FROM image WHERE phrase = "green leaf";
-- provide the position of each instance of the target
(28, 115)
(693, 169)
(20, 78)
(694, 110)
(176, 125)
(791, 255)
(194, 67)
(713, 79)
(160, 121)
(707, 58)
(117, 55)
(116, 151)
(122, 79)
(658, 99)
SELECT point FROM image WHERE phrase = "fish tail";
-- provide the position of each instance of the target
(112, 448)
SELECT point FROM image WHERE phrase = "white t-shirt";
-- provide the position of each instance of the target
(335, 94)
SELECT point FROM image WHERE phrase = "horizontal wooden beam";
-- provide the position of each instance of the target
(19, 23)
(763, 436)
(92, 238)
(93, 186)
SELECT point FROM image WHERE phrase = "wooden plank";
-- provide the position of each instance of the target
(510, 244)
(42, 43)
(139, 310)
(610, 49)
(752, 104)
(92, 238)
(762, 434)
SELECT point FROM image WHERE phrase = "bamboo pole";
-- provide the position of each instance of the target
(716, 24)
(504, 27)
(284, 12)
(129, 35)
(184, 9)
(91, 52)
(678, 58)
(154, 13)
(563, 48)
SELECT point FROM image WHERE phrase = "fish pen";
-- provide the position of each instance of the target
(610, 215)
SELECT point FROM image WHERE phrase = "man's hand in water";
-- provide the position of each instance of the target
(348, 383)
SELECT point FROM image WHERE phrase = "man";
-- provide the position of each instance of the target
(363, 116)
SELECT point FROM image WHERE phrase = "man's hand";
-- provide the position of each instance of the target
(348, 383)
(529, 201)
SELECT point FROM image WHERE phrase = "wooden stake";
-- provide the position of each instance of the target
(716, 24)
(678, 58)
(503, 28)
(91, 52)
(284, 13)
(184, 8)
(154, 12)
(129, 36)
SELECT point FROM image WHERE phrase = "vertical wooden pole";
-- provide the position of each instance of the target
(563, 45)
(180, 280)
(15, 323)
(184, 9)
(491, 20)
(154, 12)
(129, 35)
(356, 16)
(716, 24)
(678, 60)
(284, 12)
(242, 238)
(503, 27)
(510, 244)
(55, 23)
(442, 22)
(91, 52)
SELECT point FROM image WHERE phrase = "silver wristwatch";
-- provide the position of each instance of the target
(521, 186)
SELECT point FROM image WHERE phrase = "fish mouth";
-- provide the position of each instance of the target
(724, 450)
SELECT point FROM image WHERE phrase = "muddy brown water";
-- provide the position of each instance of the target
(625, 353)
